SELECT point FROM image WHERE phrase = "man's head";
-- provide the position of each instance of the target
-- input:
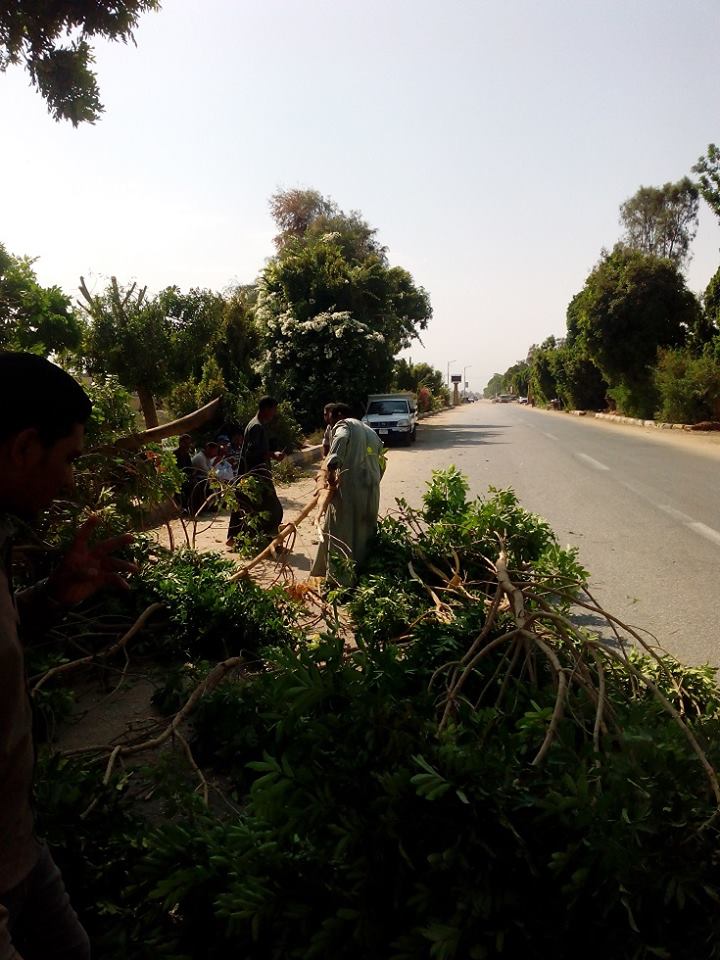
(267, 409)
(43, 412)
(185, 442)
(211, 449)
(340, 412)
(328, 410)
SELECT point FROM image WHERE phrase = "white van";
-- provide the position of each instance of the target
(392, 415)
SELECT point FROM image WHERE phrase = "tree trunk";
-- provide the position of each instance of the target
(147, 402)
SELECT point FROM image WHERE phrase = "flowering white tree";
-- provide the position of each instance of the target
(332, 313)
(329, 357)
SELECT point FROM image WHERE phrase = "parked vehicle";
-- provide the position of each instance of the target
(522, 399)
(392, 416)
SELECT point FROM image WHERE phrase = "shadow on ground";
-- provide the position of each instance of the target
(441, 437)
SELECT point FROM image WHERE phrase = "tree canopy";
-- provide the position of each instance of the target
(51, 40)
(130, 337)
(662, 221)
(708, 170)
(32, 317)
(631, 304)
(331, 310)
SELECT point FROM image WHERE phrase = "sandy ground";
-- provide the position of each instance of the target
(210, 533)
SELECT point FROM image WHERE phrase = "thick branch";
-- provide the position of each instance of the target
(104, 654)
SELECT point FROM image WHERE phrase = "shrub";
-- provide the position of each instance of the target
(688, 385)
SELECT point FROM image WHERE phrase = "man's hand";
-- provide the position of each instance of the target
(279, 455)
(87, 568)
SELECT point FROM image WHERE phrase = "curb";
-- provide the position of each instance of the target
(635, 422)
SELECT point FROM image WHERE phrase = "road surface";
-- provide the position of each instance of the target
(643, 507)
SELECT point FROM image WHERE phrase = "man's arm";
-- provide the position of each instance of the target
(338, 452)
(84, 569)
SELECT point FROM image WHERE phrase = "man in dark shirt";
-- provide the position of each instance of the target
(183, 458)
(41, 435)
(256, 463)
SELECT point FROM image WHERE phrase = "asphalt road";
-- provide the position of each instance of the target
(643, 507)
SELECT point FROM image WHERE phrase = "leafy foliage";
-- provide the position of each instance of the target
(631, 304)
(32, 317)
(51, 41)
(662, 221)
(360, 828)
(208, 618)
(331, 311)
(708, 170)
(688, 384)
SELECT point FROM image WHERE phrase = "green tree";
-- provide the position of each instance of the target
(324, 294)
(708, 325)
(689, 384)
(662, 221)
(51, 40)
(543, 379)
(631, 304)
(132, 338)
(412, 376)
(495, 385)
(237, 349)
(307, 214)
(708, 170)
(32, 317)
(517, 378)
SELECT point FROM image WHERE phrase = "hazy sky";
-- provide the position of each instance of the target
(490, 143)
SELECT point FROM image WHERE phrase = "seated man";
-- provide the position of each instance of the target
(202, 462)
(222, 465)
(183, 458)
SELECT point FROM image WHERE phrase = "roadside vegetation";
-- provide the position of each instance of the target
(637, 340)
(438, 764)
(324, 321)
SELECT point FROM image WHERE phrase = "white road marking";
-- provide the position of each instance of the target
(550, 436)
(595, 464)
(675, 514)
(702, 529)
(705, 531)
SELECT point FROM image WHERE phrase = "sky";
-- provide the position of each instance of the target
(490, 142)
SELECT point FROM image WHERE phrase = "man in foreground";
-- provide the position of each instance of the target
(41, 435)
(354, 466)
(256, 463)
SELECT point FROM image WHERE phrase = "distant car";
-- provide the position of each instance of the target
(522, 400)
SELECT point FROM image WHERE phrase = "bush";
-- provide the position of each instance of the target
(688, 385)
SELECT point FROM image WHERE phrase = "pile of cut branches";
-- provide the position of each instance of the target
(476, 775)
